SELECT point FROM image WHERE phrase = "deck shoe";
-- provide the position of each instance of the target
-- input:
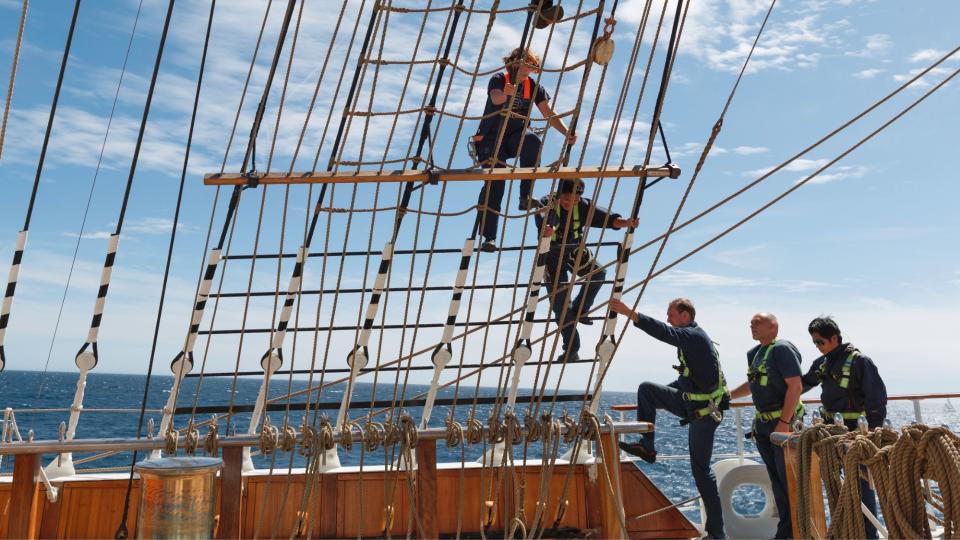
(528, 203)
(568, 357)
(585, 320)
(488, 246)
(639, 450)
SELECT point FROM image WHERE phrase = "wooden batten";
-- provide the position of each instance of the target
(444, 175)
(231, 493)
(427, 487)
(24, 497)
(818, 515)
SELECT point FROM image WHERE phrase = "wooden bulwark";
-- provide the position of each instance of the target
(348, 503)
(444, 175)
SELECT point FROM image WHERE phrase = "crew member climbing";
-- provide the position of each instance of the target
(569, 213)
(511, 95)
(697, 396)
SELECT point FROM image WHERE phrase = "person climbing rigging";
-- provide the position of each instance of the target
(773, 380)
(697, 396)
(850, 386)
(562, 259)
(511, 94)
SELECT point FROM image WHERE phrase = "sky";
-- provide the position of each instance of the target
(871, 241)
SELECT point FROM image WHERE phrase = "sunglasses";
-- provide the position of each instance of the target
(819, 342)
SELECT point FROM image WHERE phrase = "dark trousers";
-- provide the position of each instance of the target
(491, 195)
(650, 398)
(558, 269)
(867, 496)
(772, 456)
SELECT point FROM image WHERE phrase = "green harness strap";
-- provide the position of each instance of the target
(713, 398)
(828, 415)
(844, 371)
(798, 412)
(760, 369)
(576, 220)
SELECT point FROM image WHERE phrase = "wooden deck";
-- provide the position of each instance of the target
(345, 505)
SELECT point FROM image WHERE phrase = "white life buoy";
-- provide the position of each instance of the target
(733, 473)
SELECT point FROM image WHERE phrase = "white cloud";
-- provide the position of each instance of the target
(96, 235)
(868, 73)
(838, 173)
(926, 55)
(923, 82)
(875, 45)
(797, 165)
(750, 150)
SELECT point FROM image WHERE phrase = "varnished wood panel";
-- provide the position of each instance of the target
(92, 509)
(4, 509)
(640, 496)
(361, 501)
(23, 515)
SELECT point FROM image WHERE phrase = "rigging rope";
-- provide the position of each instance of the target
(22, 236)
(13, 75)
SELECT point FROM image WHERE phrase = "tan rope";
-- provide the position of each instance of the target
(13, 75)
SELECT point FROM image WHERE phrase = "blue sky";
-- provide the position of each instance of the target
(872, 241)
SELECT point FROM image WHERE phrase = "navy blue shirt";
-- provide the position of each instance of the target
(783, 361)
(602, 218)
(697, 349)
(490, 124)
(865, 392)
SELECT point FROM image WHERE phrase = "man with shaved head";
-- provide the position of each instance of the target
(774, 381)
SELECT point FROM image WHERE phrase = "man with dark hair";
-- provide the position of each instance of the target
(697, 396)
(511, 95)
(564, 225)
(850, 386)
(774, 382)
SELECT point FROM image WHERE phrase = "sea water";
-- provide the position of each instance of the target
(26, 390)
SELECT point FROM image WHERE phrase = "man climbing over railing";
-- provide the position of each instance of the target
(697, 396)
(773, 381)
(850, 386)
(511, 94)
(565, 258)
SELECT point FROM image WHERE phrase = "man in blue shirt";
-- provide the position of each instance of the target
(774, 382)
(850, 386)
(510, 97)
(697, 396)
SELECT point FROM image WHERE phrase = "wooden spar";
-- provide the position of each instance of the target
(443, 175)
(231, 494)
(426, 494)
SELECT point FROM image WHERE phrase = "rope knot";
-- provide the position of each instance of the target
(170, 440)
(495, 433)
(269, 437)
(511, 428)
(454, 435)
(212, 441)
(569, 427)
(408, 432)
(534, 426)
(373, 436)
(310, 440)
(474, 430)
(289, 441)
(192, 439)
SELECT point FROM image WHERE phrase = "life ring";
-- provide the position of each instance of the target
(733, 473)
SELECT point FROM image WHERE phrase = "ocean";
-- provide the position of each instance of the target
(26, 390)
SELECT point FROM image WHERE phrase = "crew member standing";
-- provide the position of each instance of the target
(697, 396)
(774, 382)
(850, 386)
(512, 93)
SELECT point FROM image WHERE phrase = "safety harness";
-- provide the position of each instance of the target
(758, 373)
(713, 398)
(526, 84)
(843, 381)
(576, 220)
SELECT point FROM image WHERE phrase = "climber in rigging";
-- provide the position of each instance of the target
(773, 381)
(850, 386)
(562, 260)
(511, 95)
(697, 396)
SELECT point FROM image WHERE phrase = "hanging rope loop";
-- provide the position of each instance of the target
(212, 442)
(269, 437)
(171, 439)
(454, 435)
(310, 440)
(288, 443)
(373, 436)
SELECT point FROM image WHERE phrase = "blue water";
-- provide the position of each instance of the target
(22, 390)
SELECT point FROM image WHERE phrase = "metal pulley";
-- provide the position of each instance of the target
(602, 50)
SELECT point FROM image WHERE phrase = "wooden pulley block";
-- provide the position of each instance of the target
(603, 47)
(602, 50)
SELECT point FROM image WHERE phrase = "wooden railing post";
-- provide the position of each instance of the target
(24, 497)
(426, 476)
(231, 493)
